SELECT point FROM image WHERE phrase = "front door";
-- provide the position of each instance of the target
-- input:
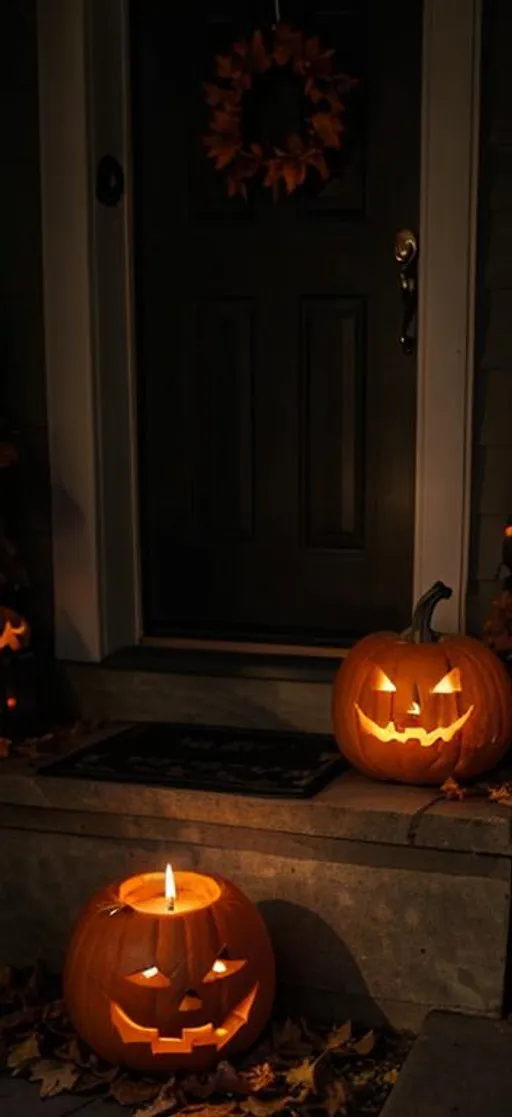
(276, 407)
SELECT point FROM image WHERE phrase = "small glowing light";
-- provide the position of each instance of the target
(219, 966)
(414, 708)
(383, 683)
(170, 887)
(150, 972)
(11, 702)
(508, 531)
(449, 683)
(222, 1031)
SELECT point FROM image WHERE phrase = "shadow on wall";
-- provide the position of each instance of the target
(317, 974)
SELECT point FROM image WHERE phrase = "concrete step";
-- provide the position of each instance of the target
(459, 1065)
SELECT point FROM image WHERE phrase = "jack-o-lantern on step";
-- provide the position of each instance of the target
(162, 978)
(421, 707)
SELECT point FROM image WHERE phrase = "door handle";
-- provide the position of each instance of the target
(406, 256)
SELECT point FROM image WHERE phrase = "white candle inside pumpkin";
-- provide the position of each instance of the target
(148, 893)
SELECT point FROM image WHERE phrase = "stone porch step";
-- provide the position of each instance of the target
(383, 902)
(460, 1066)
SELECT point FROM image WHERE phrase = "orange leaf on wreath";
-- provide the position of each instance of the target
(259, 56)
(224, 66)
(216, 96)
(288, 44)
(328, 127)
(315, 59)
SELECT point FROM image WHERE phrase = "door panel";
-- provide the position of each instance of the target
(276, 409)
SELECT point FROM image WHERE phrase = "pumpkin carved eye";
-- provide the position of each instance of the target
(151, 978)
(383, 683)
(449, 684)
(224, 966)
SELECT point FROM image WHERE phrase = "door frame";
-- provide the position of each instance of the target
(89, 332)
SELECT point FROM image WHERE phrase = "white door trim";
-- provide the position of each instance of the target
(87, 276)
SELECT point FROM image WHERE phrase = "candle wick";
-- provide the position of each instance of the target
(170, 903)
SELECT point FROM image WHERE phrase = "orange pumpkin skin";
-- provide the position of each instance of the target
(142, 990)
(414, 733)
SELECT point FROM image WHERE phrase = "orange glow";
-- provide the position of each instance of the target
(449, 684)
(508, 531)
(205, 1035)
(152, 893)
(424, 737)
(383, 683)
(11, 702)
(219, 966)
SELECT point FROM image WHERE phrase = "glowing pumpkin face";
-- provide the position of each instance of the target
(418, 708)
(159, 990)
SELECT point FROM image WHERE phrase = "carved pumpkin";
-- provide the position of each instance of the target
(14, 630)
(421, 707)
(157, 989)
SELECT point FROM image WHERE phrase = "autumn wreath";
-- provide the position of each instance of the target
(322, 92)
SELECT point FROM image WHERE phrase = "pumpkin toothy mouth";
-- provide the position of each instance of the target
(425, 738)
(204, 1036)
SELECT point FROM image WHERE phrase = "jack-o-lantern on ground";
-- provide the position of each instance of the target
(171, 972)
(421, 707)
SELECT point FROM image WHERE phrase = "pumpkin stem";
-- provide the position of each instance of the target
(421, 631)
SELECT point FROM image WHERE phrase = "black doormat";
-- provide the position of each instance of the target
(293, 765)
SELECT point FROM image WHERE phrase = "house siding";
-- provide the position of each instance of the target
(492, 447)
(22, 380)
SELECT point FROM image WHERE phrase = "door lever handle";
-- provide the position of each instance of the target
(406, 256)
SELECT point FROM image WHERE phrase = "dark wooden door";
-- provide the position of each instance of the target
(276, 409)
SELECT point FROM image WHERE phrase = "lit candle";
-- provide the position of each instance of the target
(170, 888)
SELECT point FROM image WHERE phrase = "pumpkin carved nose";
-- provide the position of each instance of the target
(414, 708)
(190, 1001)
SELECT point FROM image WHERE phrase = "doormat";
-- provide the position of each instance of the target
(290, 765)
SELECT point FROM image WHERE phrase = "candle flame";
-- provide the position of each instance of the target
(170, 884)
(219, 966)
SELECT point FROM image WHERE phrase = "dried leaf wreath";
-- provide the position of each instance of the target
(324, 92)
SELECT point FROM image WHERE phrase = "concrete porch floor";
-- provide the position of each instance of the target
(383, 902)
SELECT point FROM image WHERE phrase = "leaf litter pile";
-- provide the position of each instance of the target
(294, 1069)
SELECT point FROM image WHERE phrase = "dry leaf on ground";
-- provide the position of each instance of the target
(339, 1037)
(336, 1097)
(223, 1080)
(318, 1042)
(165, 1102)
(452, 790)
(23, 1053)
(21, 1018)
(364, 1045)
(223, 1109)
(130, 1091)
(54, 1076)
(501, 795)
(92, 1081)
(259, 1077)
(310, 1074)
